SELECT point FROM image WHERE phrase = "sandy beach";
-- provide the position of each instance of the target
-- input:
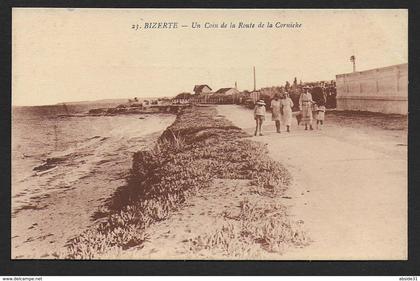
(49, 209)
(349, 187)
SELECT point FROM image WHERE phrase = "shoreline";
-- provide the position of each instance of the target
(56, 206)
(198, 148)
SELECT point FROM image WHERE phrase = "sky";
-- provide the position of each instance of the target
(64, 55)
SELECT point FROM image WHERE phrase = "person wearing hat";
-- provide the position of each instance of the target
(287, 105)
(259, 115)
(305, 106)
(276, 111)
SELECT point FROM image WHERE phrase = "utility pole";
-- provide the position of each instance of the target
(353, 60)
(255, 83)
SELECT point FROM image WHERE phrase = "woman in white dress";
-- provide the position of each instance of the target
(287, 105)
(276, 111)
(305, 106)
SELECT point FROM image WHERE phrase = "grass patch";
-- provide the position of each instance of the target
(196, 149)
(257, 228)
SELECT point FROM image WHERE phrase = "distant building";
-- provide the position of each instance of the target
(378, 90)
(202, 89)
(233, 92)
(227, 91)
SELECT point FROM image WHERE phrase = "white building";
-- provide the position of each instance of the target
(227, 91)
(382, 90)
(202, 89)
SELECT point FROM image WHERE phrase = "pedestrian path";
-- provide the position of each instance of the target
(349, 187)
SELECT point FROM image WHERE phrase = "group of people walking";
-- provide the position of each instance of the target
(281, 109)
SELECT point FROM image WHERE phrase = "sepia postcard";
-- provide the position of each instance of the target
(209, 134)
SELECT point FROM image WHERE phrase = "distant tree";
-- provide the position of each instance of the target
(183, 95)
(136, 99)
(245, 92)
(287, 86)
(295, 82)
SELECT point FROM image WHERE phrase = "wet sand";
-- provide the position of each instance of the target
(60, 204)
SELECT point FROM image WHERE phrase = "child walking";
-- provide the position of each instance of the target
(259, 116)
(320, 116)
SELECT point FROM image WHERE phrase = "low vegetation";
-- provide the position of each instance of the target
(257, 228)
(196, 149)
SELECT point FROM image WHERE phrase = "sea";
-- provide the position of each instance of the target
(55, 146)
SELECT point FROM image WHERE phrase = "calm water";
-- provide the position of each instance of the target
(39, 133)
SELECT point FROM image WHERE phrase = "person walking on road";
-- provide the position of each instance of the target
(259, 116)
(287, 105)
(320, 116)
(305, 106)
(276, 114)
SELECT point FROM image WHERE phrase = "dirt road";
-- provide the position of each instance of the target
(350, 186)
